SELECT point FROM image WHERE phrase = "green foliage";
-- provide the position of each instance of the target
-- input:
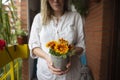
(81, 6)
(52, 52)
(8, 20)
(21, 32)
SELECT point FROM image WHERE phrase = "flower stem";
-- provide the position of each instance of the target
(8, 52)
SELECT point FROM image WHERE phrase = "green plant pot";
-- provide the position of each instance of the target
(59, 62)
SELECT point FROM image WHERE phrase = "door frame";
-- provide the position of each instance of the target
(114, 57)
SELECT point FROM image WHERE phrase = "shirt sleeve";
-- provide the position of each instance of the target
(34, 39)
(80, 42)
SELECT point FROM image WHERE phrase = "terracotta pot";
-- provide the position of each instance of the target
(22, 39)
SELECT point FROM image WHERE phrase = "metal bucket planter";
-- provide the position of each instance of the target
(59, 62)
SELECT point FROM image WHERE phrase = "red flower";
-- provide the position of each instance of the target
(2, 44)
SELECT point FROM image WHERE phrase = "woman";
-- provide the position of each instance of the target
(54, 22)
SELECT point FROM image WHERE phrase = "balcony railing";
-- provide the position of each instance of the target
(9, 64)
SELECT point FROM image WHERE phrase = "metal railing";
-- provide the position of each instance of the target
(10, 67)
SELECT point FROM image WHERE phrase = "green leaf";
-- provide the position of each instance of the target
(5, 24)
(64, 56)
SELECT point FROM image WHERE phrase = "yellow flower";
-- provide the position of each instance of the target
(51, 44)
(61, 48)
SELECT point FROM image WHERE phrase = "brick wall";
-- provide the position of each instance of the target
(25, 72)
(24, 14)
(98, 32)
(93, 33)
(25, 67)
(18, 4)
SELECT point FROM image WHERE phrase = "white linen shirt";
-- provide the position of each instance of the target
(70, 28)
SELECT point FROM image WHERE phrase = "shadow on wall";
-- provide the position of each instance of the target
(33, 9)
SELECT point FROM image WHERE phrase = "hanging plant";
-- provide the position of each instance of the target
(81, 6)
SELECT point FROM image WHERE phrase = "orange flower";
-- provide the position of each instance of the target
(63, 41)
(71, 47)
(61, 48)
(51, 44)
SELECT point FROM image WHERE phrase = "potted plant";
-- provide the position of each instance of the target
(22, 36)
(60, 53)
(8, 20)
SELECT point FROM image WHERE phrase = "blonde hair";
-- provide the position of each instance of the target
(46, 11)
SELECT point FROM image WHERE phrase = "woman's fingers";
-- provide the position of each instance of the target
(66, 70)
(68, 65)
(52, 68)
(57, 71)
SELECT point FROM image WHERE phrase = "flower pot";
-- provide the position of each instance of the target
(22, 39)
(59, 62)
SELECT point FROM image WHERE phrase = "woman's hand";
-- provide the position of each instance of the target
(68, 66)
(52, 69)
(55, 70)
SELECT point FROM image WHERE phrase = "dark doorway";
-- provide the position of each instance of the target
(114, 64)
(33, 9)
(117, 54)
